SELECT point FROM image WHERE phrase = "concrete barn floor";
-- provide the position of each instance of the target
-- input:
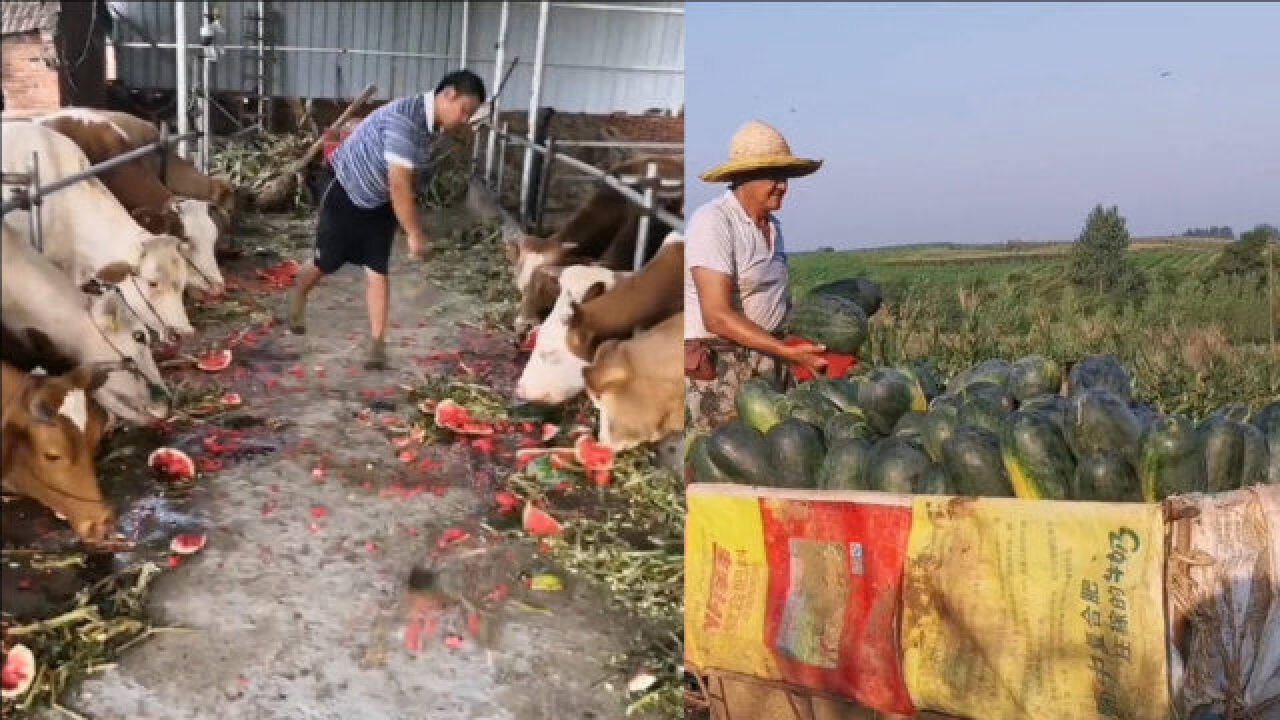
(295, 615)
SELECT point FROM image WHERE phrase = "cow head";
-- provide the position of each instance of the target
(51, 433)
(533, 252)
(155, 290)
(224, 195)
(553, 374)
(538, 298)
(201, 231)
(580, 337)
(138, 396)
(638, 403)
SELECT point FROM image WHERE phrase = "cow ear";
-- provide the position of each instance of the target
(607, 369)
(596, 290)
(115, 272)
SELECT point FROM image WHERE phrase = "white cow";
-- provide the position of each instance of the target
(48, 315)
(637, 384)
(84, 229)
(553, 374)
(140, 191)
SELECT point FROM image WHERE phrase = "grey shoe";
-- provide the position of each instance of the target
(296, 315)
(377, 359)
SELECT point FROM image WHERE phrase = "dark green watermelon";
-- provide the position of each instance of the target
(811, 406)
(1267, 420)
(741, 453)
(1253, 464)
(1034, 375)
(887, 394)
(1172, 459)
(698, 466)
(972, 459)
(1036, 457)
(982, 411)
(897, 466)
(934, 482)
(1051, 407)
(995, 371)
(1234, 411)
(998, 395)
(1145, 415)
(925, 373)
(1099, 421)
(1222, 442)
(841, 393)
(759, 405)
(831, 320)
(843, 426)
(845, 466)
(1100, 372)
(1105, 477)
(858, 289)
(947, 404)
(938, 427)
(796, 450)
(910, 427)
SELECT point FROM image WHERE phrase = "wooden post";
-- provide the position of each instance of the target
(1271, 291)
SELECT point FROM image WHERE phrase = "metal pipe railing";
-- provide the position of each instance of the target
(40, 193)
(622, 144)
(612, 181)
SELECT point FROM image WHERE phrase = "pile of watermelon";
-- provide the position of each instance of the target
(998, 429)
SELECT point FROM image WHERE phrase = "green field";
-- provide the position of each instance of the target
(1193, 344)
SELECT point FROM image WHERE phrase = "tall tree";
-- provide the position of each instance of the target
(1100, 259)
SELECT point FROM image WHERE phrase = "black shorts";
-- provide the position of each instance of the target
(347, 233)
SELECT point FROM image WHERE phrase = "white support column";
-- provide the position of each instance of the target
(206, 92)
(262, 64)
(499, 59)
(535, 98)
(642, 229)
(180, 42)
(466, 30)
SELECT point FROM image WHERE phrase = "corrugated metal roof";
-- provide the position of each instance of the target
(23, 17)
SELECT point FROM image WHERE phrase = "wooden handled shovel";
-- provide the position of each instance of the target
(279, 189)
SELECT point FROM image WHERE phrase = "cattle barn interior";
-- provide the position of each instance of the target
(209, 514)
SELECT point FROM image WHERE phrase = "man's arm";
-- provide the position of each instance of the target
(403, 203)
(714, 292)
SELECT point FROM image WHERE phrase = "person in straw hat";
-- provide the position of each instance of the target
(736, 288)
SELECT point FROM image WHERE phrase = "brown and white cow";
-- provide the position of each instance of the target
(636, 303)
(176, 172)
(637, 384)
(602, 232)
(49, 435)
(48, 321)
(85, 228)
(140, 191)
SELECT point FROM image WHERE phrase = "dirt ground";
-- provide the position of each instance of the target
(300, 607)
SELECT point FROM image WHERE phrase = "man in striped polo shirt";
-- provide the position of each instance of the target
(373, 191)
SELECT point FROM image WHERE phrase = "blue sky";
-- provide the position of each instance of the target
(989, 122)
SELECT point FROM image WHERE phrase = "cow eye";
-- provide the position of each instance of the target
(140, 337)
(52, 457)
(154, 284)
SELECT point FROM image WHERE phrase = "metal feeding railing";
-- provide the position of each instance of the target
(26, 192)
(532, 212)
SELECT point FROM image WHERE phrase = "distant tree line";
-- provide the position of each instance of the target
(1246, 257)
(1213, 231)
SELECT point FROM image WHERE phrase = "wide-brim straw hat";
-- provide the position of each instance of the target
(757, 147)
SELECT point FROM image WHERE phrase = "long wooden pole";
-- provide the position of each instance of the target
(1271, 291)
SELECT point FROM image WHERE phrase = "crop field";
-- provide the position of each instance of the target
(1193, 344)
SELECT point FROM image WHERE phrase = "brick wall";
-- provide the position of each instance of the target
(30, 85)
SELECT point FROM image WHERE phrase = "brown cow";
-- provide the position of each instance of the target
(152, 205)
(637, 384)
(637, 302)
(601, 232)
(178, 173)
(50, 432)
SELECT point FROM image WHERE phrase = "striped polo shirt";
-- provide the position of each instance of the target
(721, 237)
(398, 133)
